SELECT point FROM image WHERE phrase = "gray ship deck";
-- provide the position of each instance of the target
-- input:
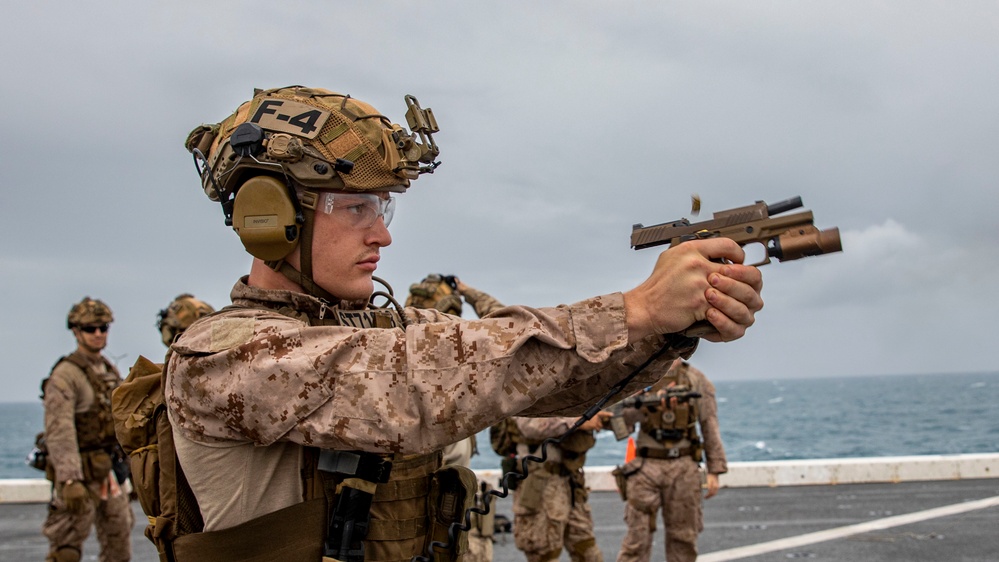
(952, 520)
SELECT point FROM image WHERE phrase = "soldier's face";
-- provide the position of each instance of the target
(93, 338)
(344, 255)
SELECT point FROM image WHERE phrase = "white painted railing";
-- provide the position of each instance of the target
(814, 472)
(818, 472)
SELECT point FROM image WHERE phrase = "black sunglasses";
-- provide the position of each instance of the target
(91, 329)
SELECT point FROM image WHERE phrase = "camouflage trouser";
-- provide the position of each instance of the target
(67, 531)
(480, 549)
(674, 486)
(546, 519)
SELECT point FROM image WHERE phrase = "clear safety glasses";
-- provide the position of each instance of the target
(359, 210)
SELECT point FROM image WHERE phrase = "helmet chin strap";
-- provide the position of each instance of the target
(304, 278)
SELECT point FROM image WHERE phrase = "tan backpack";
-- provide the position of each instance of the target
(142, 427)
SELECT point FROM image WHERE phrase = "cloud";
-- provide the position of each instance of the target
(886, 264)
(563, 124)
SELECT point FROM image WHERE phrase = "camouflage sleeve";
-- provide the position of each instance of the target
(583, 392)
(483, 303)
(61, 395)
(257, 376)
(538, 429)
(714, 451)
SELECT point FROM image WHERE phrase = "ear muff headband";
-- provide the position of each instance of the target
(266, 218)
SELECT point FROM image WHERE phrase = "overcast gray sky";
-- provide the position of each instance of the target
(562, 124)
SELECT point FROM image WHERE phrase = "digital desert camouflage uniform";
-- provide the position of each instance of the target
(551, 506)
(440, 292)
(480, 537)
(79, 434)
(670, 484)
(253, 384)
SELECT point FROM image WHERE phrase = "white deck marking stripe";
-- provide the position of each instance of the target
(840, 532)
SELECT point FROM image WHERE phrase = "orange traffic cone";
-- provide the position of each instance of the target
(629, 453)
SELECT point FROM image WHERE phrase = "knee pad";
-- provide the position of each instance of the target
(66, 554)
(550, 556)
(582, 547)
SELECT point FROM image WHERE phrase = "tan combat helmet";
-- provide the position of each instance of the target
(179, 315)
(266, 162)
(89, 312)
(436, 291)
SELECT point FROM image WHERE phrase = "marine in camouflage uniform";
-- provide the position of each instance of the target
(665, 474)
(79, 434)
(551, 506)
(301, 362)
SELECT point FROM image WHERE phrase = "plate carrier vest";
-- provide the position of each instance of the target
(671, 430)
(95, 435)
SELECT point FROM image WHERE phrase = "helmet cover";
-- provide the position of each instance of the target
(89, 312)
(179, 315)
(319, 138)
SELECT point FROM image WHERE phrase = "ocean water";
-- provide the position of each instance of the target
(760, 420)
(891, 415)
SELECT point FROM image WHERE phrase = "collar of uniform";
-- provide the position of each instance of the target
(243, 294)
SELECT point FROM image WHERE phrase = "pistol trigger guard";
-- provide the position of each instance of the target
(756, 248)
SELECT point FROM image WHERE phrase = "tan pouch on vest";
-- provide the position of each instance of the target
(96, 465)
(532, 489)
(452, 493)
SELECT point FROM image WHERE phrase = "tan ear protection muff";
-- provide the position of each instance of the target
(266, 218)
